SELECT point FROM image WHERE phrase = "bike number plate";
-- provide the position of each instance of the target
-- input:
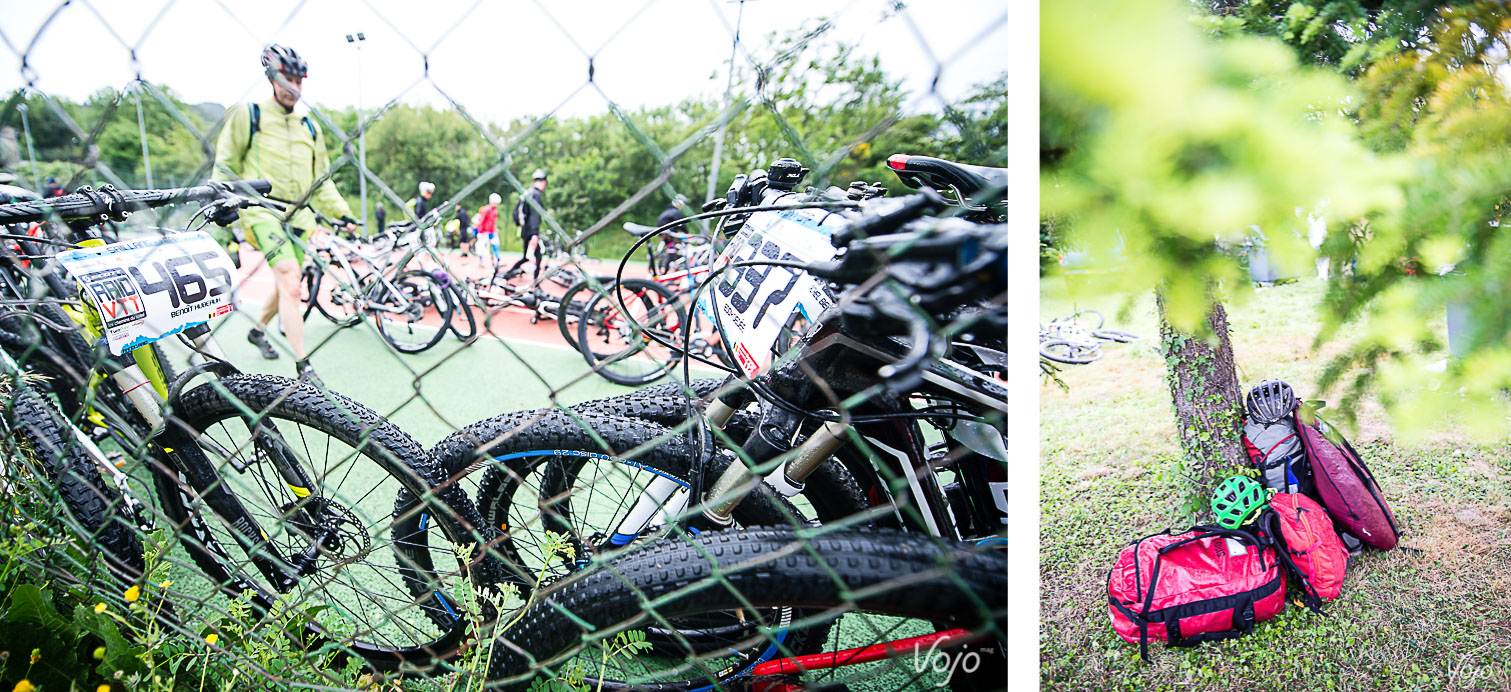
(756, 306)
(155, 287)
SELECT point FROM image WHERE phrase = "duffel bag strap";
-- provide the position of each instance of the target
(1143, 627)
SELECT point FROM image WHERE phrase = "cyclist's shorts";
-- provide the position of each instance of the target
(269, 239)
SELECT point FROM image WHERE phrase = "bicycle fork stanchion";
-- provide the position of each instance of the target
(271, 444)
(650, 504)
(196, 470)
(788, 478)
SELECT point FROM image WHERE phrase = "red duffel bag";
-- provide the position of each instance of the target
(1206, 584)
(1347, 489)
(1309, 546)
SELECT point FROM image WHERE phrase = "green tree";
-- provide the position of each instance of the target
(1163, 141)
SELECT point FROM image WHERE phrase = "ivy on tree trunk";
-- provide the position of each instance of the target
(1208, 402)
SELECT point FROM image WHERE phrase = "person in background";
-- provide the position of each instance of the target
(421, 205)
(53, 189)
(528, 215)
(487, 226)
(464, 223)
(276, 140)
(673, 211)
(382, 216)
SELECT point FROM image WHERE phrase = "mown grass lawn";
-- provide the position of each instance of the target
(1434, 615)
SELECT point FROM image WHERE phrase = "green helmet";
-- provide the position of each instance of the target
(1235, 499)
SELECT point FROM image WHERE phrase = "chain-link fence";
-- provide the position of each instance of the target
(737, 362)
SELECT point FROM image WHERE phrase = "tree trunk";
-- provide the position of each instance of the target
(1208, 402)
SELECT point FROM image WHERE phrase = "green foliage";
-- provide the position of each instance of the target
(1443, 104)
(64, 624)
(1164, 140)
(108, 120)
(1345, 34)
(820, 102)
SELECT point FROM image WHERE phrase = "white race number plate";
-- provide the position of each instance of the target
(152, 288)
(754, 304)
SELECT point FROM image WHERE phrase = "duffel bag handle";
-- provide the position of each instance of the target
(1243, 623)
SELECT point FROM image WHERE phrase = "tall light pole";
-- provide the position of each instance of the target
(357, 40)
(141, 126)
(31, 154)
(734, 47)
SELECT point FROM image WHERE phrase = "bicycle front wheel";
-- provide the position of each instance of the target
(413, 311)
(354, 588)
(570, 308)
(98, 511)
(463, 323)
(623, 333)
(1062, 351)
(331, 298)
(900, 586)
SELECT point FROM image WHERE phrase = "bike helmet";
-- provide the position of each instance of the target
(276, 58)
(495, 199)
(1269, 401)
(540, 174)
(427, 187)
(1235, 499)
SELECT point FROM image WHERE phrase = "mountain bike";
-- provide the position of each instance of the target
(280, 492)
(1077, 339)
(412, 308)
(874, 349)
(611, 338)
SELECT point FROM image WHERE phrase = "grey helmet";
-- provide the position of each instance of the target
(276, 58)
(540, 174)
(1269, 401)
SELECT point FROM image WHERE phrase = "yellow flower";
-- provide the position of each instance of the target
(133, 593)
(166, 583)
(24, 686)
(36, 655)
(212, 638)
(99, 608)
(99, 653)
(102, 688)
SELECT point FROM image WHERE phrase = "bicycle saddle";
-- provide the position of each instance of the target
(916, 171)
(636, 229)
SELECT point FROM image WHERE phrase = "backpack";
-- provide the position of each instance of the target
(256, 113)
(1205, 584)
(1310, 548)
(1275, 449)
(1346, 487)
(521, 213)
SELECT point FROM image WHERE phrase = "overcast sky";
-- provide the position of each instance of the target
(499, 58)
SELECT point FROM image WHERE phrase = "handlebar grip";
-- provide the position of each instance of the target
(259, 185)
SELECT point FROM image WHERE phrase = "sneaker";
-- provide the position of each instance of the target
(260, 340)
(306, 373)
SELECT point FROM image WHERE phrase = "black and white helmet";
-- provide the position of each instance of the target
(276, 58)
(1269, 401)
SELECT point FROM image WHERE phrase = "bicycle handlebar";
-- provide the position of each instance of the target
(111, 204)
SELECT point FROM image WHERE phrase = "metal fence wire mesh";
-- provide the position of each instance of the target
(740, 400)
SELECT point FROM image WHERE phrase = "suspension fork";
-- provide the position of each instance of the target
(267, 441)
(181, 451)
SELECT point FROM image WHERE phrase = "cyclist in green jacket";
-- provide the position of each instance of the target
(278, 141)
